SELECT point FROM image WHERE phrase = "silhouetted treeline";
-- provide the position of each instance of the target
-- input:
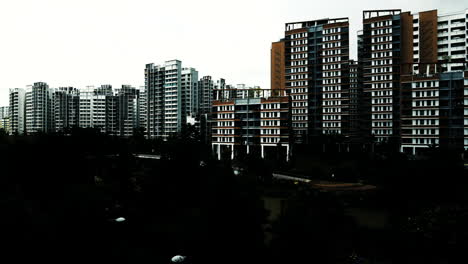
(60, 197)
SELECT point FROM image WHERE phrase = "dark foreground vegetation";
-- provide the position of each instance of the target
(60, 196)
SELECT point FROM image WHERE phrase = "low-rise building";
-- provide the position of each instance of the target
(251, 122)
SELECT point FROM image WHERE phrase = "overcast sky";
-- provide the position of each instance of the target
(93, 42)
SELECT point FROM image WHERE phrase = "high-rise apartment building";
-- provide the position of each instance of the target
(171, 93)
(66, 108)
(387, 45)
(154, 91)
(39, 115)
(128, 110)
(4, 111)
(17, 110)
(5, 118)
(335, 65)
(206, 88)
(93, 107)
(190, 101)
(404, 56)
(317, 76)
(142, 112)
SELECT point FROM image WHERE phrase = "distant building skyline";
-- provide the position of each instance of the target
(72, 53)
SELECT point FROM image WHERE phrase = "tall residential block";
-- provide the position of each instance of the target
(5, 118)
(128, 110)
(17, 110)
(66, 108)
(206, 86)
(93, 107)
(4, 111)
(142, 109)
(171, 93)
(190, 101)
(317, 76)
(387, 45)
(39, 113)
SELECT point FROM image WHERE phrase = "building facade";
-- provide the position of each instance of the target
(452, 39)
(17, 111)
(436, 110)
(206, 87)
(93, 107)
(38, 104)
(128, 110)
(172, 95)
(5, 118)
(66, 108)
(4, 111)
(254, 123)
(387, 44)
(317, 77)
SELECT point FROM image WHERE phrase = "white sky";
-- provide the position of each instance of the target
(94, 42)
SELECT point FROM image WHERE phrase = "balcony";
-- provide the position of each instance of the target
(457, 48)
(442, 26)
(459, 24)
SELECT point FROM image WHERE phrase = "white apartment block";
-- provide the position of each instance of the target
(172, 98)
(93, 108)
(453, 39)
(171, 93)
(17, 108)
(38, 114)
(4, 112)
(190, 100)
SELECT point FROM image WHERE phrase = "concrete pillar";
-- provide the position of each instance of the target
(248, 149)
(232, 151)
(287, 152)
(219, 151)
(414, 150)
(263, 151)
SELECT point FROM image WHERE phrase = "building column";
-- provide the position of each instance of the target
(248, 149)
(263, 151)
(219, 151)
(414, 150)
(232, 152)
(287, 152)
